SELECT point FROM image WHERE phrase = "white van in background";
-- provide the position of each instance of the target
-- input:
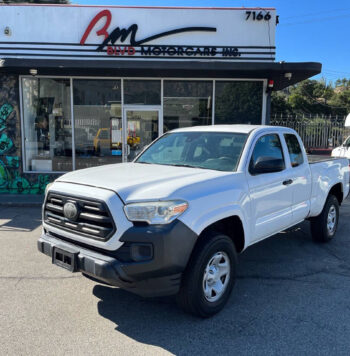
(343, 150)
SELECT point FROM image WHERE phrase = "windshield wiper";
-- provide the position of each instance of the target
(184, 165)
(173, 165)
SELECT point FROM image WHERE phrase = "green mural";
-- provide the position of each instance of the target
(5, 112)
(4, 176)
(5, 144)
(12, 180)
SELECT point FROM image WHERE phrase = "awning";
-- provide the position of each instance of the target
(166, 68)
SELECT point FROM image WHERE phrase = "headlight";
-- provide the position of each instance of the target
(48, 187)
(155, 212)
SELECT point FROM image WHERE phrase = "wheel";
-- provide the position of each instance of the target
(324, 226)
(209, 277)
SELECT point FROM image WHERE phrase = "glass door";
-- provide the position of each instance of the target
(141, 127)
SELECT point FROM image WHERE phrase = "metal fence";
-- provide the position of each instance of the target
(316, 131)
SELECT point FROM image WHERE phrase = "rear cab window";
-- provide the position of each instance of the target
(294, 150)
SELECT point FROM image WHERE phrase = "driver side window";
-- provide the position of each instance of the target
(267, 156)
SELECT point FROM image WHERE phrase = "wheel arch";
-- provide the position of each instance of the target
(232, 226)
(337, 191)
(319, 200)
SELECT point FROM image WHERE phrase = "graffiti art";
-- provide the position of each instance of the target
(12, 178)
(5, 112)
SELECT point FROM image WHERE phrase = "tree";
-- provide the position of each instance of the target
(345, 83)
(280, 105)
(341, 101)
(314, 97)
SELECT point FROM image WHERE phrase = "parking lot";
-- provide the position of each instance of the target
(291, 298)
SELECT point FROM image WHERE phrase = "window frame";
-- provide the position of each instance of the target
(123, 105)
(253, 148)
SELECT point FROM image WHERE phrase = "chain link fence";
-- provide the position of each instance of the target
(317, 132)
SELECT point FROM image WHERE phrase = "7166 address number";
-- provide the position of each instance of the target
(257, 16)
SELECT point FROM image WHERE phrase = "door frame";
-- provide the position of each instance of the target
(126, 108)
(276, 179)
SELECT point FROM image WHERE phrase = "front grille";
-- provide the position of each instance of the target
(93, 220)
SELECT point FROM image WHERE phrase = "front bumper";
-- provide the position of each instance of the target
(160, 275)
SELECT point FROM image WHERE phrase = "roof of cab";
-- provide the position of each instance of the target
(222, 128)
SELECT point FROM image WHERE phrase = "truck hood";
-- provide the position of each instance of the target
(137, 181)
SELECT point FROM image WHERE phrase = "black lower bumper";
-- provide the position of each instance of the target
(157, 276)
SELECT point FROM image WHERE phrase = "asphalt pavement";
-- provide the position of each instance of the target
(292, 297)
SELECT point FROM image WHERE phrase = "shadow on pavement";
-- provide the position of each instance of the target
(277, 278)
(19, 219)
(281, 302)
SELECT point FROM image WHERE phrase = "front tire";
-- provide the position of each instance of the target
(209, 277)
(324, 226)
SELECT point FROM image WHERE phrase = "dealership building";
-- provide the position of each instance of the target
(82, 86)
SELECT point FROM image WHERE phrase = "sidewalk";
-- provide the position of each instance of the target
(21, 200)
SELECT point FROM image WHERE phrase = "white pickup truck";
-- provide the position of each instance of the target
(343, 150)
(174, 220)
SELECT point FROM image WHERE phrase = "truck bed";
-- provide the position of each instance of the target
(320, 158)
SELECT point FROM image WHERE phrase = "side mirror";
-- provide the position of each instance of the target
(267, 165)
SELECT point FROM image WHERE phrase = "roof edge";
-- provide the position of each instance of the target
(283, 74)
(143, 7)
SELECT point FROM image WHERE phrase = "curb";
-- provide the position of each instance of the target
(21, 205)
(20, 200)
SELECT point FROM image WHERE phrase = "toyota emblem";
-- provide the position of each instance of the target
(70, 211)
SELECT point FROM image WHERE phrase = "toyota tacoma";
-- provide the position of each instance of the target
(173, 220)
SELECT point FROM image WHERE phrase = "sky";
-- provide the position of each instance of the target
(309, 30)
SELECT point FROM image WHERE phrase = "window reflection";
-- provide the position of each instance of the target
(98, 122)
(47, 124)
(187, 103)
(142, 92)
(238, 102)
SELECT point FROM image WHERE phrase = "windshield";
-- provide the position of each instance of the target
(209, 150)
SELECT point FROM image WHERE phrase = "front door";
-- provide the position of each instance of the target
(141, 127)
(270, 193)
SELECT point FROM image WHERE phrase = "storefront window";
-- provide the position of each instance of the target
(97, 112)
(187, 103)
(238, 102)
(98, 122)
(47, 124)
(142, 92)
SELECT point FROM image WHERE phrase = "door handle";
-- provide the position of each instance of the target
(288, 182)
